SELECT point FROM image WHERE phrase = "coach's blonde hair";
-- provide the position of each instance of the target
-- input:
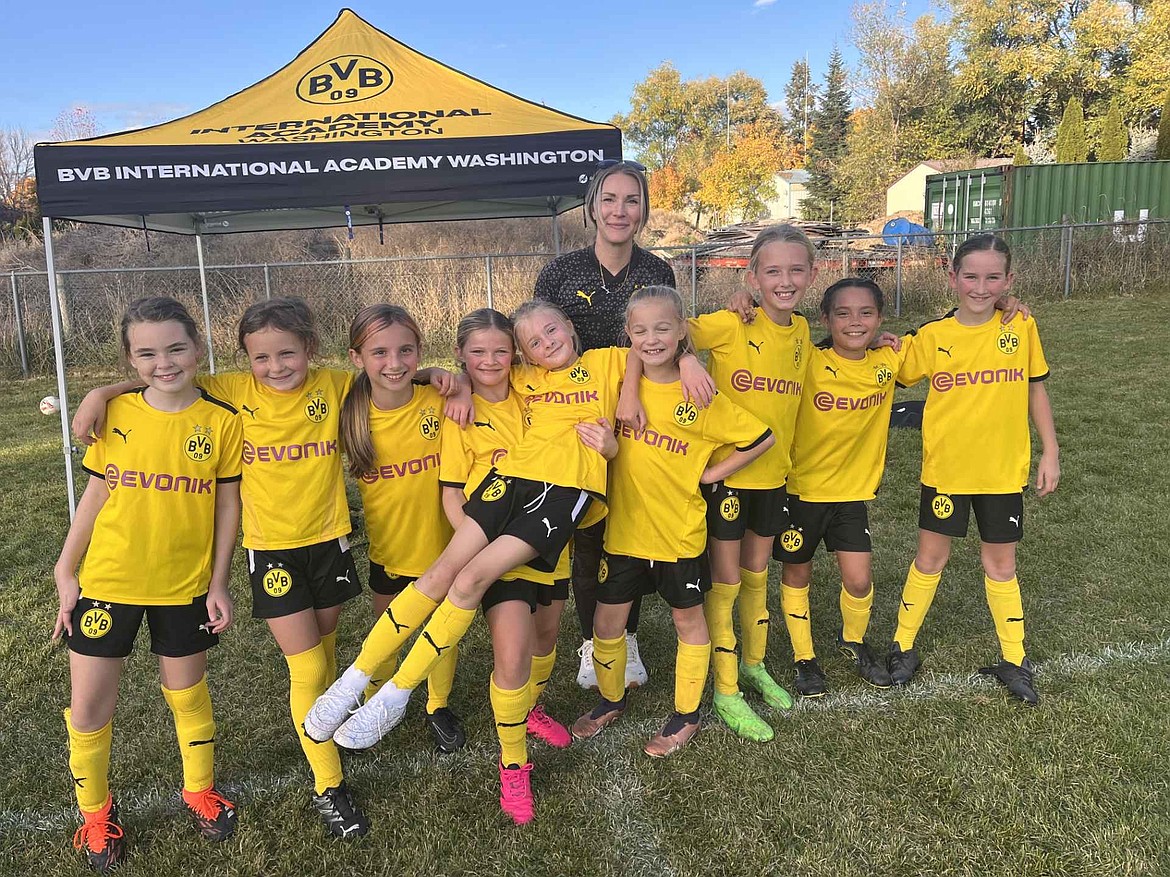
(354, 429)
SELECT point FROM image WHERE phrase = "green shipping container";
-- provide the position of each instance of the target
(1045, 194)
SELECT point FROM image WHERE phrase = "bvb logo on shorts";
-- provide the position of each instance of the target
(942, 506)
(277, 582)
(317, 409)
(603, 571)
(428, 426)
(198, 445)
(1008, 342)
(96, 623)
(579, 374)
(685, 413)
(495, 490)
(729, 508)
(883, 375)
(791, 539)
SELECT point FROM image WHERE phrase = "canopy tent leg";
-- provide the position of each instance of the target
(59, 354)
(206, 306)
(556, 234)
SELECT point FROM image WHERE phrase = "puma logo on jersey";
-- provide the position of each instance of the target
(438, 649)
(549, 526)
(1015, 520)
(394, 621)
(947, 350)
(608, 665)
(829, 368)
(756, 347)
(588, 296)
(344, 578)
(486, 423)
(125, 435)
(693, 585)
(251, 411)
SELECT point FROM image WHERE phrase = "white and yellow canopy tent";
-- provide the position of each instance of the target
(359, 129)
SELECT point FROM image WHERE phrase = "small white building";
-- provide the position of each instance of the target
(791, 190)
(909, 191)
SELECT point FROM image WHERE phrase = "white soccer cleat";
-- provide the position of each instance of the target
(377, 717)
(335, 705)
(636, 674)
(586, 673)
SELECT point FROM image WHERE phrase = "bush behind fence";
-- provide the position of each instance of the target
(1050, 263)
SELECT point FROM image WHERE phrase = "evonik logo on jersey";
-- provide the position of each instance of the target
(287, 453)
(555, 397)
(824, 401)
(416, 466)
(654, 439)
(166, 482)
(743, 381)
(944, 381)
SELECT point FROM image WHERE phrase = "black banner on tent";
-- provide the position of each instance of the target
(89, 180)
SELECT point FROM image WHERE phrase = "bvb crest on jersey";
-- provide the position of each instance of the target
(428, 424)
(1008, 341)
(317, 408)
(791, 539)
(942, 506)
(603, 571)
(198, 445)
(798, 352)
(579, 374)
(495, 490)
(96, 622)
(883, 374)
(277, 582)
(685, 413)
(729, 508)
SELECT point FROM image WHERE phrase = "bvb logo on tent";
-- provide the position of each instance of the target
(344, 79)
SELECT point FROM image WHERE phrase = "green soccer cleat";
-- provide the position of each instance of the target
(741, 718)
(758, 678)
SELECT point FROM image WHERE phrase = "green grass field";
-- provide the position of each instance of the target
(944, 778)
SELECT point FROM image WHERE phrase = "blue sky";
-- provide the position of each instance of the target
(138, 63)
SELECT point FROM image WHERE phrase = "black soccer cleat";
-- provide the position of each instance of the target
(810, 678)
(339, 813)
(868, 667)
(214, 815)
(1016, 678)
(446, 729)
(902, 664)
(102, 839)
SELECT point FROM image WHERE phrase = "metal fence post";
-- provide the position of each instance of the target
(267, 283)
(898, 281)
(19, 326)
(1068, 248)
(490, 293)
(694, 284)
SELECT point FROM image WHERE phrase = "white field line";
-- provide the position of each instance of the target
(624, 740)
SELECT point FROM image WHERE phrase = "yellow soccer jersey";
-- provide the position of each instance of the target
(469, 454)
(554, 403)
(152, 541)
(401, 495)
(975, 436)
(761, 367)
(656, 509)
(839, 451)
(293, 491)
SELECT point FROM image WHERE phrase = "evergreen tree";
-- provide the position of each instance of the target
(827, 144)
(1163, 151)
(1114, 136)
(1071, 143)
(1020, 158)
(800, 103)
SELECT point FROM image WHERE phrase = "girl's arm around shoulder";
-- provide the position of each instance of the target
(1040, 410)
(734, 462)
(90, 418)
(726, 423)
(80, 534)
(227, 525)
(630, 410)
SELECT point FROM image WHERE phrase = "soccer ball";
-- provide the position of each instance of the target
(50, 405)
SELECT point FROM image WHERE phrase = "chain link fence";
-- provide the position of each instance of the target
(1051, 263)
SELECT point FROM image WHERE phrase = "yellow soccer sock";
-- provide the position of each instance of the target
(690, 673)
(542, 669)
(794, 605)
(405, 614)
(89, 763)
(381, 674)
(917, 595)
(442, 680)
(306, 682)
(718, 606)
(855, 615)
(329, 644)
(442, 633)
(753, 614)
(609, 662)
(1007, 611)
(511, 712)
(195, 728)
